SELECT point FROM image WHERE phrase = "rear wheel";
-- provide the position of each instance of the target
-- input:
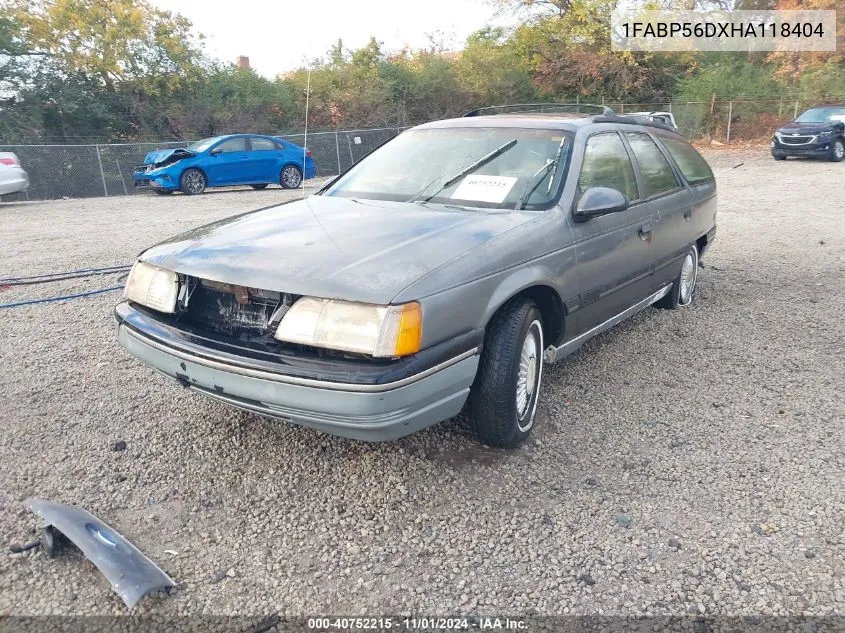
(291, 177)
(837, 151)
(683, 287)
(193, 181)
(503, 400)
(263, 185)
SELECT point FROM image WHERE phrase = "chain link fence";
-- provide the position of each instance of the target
(724, 120)
(87, 171)
(84, 171)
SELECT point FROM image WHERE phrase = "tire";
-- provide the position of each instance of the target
(163, 192)
(263, 185)
(778, 157)
(192, 182)
(837, 151)
(503, 399)
(683, 288)
(290, 177)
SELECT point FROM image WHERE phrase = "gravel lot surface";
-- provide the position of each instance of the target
(686, 462)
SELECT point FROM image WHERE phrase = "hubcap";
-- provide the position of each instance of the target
(290, 176)
(194, 181)
(839, 149)
(689, 272)
(528, 377)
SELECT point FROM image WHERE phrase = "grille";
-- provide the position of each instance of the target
(214, 307)
(796, 140)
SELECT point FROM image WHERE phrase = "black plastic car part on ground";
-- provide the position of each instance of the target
(818, 132)
(130, 572)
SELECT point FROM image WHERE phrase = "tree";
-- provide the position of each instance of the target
(114, 41)
(540, 8)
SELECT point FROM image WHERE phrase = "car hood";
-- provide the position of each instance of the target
(359, 250)
(161, 155)
(807, 128)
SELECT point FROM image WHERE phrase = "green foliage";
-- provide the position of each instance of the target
(77, 70)
(728, 77)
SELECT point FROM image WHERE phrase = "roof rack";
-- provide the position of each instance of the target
(543, 107)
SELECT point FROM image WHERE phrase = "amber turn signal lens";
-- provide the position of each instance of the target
(410, 330)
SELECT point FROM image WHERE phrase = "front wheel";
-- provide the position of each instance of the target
(837, 151)
(193, 182)
(779, 156)
(503, 400)
(291, 177)
(263, 185)
(684, 285)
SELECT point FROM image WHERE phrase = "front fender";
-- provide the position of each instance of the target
(517, 281)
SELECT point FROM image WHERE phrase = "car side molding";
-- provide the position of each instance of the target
(131, 574)
(554, 354)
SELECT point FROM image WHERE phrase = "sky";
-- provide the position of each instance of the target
(280, 35)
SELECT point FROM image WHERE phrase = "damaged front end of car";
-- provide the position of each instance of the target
(145, 175)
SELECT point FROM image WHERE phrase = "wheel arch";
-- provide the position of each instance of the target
(290, 163)
(199, 168)
(531, 284)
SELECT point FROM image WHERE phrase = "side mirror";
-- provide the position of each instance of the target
(597, 201)
(216, 151)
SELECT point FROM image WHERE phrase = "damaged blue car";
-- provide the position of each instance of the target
(225, 161)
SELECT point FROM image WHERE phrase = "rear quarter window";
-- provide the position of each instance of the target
(692, 165)
(657, 174)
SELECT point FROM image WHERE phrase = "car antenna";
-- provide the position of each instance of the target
(305, 138)
(724, 171)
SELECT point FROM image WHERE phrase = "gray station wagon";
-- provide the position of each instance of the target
(438, 274)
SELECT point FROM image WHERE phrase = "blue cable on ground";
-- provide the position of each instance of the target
(104, 270)
(62, 298)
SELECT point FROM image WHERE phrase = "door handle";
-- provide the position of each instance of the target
(645, 231)
(688, 214)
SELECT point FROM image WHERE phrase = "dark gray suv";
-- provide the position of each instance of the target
(438, 274)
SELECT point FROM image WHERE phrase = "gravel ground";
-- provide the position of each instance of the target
(686, 462)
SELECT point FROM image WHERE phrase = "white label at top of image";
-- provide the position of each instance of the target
(787, 30)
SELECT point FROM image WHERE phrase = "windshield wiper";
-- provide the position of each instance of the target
(553, 164)
(463, 172)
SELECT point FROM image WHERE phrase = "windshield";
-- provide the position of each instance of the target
(822, 115)
(201, 146)
(507, 167)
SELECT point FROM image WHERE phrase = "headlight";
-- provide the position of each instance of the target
(153, 287)
(826, 133)
(383, 331)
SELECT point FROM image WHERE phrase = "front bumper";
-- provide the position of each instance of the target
(156, 181)
(819, 147)
(361, 410)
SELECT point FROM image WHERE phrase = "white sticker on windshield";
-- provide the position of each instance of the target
(484, 188)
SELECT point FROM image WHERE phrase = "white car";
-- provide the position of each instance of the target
(661, 117)
(12, 176)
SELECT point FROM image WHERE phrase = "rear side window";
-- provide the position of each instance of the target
(261, 144)
(655, 169)
(694, 168)
(607, 164)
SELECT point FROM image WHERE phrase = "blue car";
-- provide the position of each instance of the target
(223, 161)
